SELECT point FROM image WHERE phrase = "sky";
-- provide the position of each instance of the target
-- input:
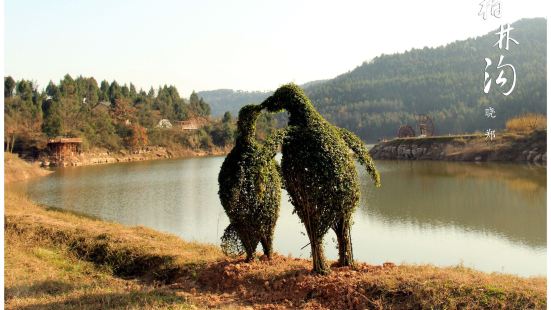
(247, 45)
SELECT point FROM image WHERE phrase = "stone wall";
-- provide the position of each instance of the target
(97, 157)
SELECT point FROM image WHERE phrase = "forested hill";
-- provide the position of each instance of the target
(446, 82)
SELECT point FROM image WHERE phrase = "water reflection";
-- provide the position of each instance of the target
(487, 216)
(503, 199)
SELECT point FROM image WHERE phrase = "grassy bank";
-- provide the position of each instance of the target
(16, 169)
(58, 259)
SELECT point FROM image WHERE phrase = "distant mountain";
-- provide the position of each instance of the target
(313, 83)
(446, 83)
(222, 100)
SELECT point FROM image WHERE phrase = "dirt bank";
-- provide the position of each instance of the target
(527, 148)
(176, 274)
(16, 169)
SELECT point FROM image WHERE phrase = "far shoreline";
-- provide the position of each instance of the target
(528, 148)
(507, 148)
(99, 157)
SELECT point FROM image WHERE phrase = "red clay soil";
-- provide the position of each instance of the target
(276, 284)
(287, 283)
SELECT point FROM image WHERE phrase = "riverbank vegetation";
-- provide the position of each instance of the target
(526, 123)
(58, 259)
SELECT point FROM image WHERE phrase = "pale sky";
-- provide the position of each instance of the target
(248, 45)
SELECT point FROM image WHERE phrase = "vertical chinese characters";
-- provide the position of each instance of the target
(490, 7)
(507, 76)
(501, 80)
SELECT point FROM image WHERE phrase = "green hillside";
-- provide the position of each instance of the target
(446, 82)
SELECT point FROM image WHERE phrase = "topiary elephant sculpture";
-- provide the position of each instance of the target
(319, 172)
(250, 188)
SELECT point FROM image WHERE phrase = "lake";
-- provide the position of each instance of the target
(491, 217)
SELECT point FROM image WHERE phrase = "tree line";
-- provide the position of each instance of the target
(108, 115)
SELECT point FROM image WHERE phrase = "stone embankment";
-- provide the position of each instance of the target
(528, 148)
(96, 157)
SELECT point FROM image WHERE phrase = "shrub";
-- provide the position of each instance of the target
(527, 123)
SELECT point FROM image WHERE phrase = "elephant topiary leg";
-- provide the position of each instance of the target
(250, 254)
(342, 230)
(250, 246)
(267, 246)
(318, 258)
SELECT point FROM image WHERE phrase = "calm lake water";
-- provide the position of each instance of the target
(490, 217)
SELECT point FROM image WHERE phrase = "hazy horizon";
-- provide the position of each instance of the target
(213, 45)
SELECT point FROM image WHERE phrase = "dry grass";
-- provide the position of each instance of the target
(16, 169)
(45, 277)
(127, 251)
(528, 122)
(59, 260)
(475, 145)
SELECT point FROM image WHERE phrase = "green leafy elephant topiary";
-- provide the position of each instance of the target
(319, 172)
(250, 188)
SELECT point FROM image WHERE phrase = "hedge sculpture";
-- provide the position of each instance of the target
(250, 188)
(319, 172)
